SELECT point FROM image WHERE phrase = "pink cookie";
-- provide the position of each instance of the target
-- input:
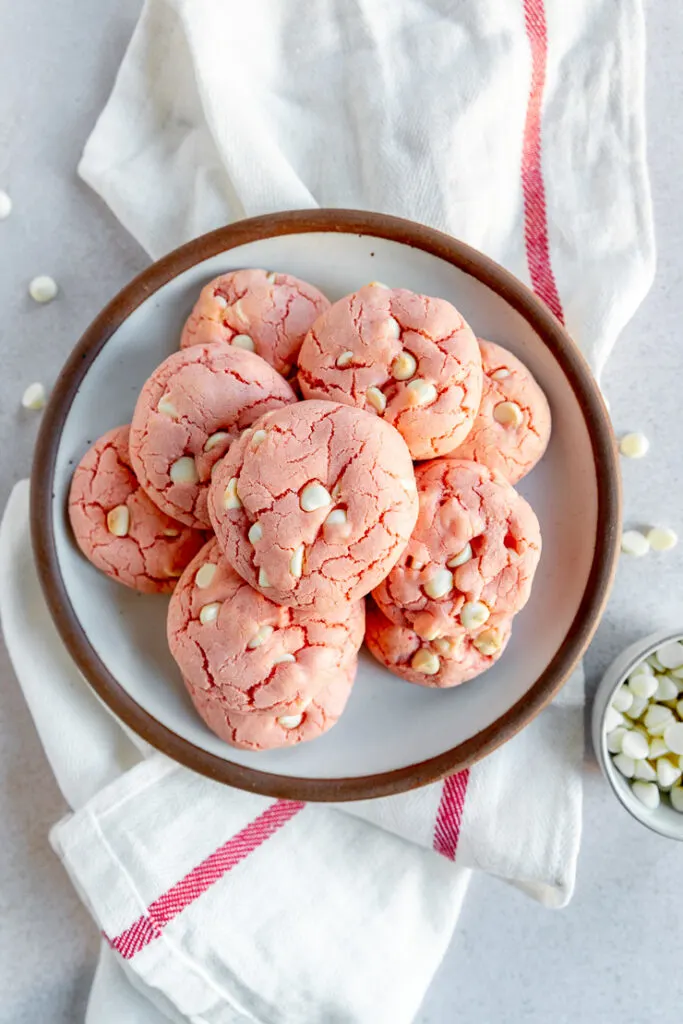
(254, 730)
(118, 528)
(446, 661)
(512, 428)
(408, 358)
(188, 414)
(315, 505)
(248, 653)
(265, 313)
(472, 556)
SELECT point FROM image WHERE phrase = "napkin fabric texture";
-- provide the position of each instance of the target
(516, 125)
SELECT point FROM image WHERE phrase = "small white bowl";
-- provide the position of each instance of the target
(664, 819)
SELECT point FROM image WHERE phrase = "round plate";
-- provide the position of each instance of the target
(393, 736)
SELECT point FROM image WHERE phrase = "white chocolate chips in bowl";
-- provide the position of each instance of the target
(638, 731)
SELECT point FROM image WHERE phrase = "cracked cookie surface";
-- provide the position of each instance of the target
(118, 528)
(410, 359)
(190, 411)
(315, 504)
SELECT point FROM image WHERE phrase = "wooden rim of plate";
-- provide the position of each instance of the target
(579, 378)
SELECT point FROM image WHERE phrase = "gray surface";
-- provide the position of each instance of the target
(614, 954)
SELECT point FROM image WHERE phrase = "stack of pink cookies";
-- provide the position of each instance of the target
(270, 519)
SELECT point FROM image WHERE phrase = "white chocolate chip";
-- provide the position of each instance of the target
(508, 414)
(622, 699)
(500, 374)
(231, 498)
(614, 739)
(667, 772)
(673, 737)
(642, 686)
(403, 366)
(209, 612)
(314, 496)
(345, 359)
(461, 557)
(255, 533)
(488, 643)
(271, 277)
(647, 793)
(446, 645)
(408, 484)
(657, 719)
(676, 797)
(262, 634)
(205, 575)
(474, 614)
(613, 719)
(644, 771)
(296, 562)
(263, 580)
(220, 437)
(184, 471)
(290, 721)
(171, 531)
(118, 521)
(243, 341)
(337, 517)
(635, 745)
(376, 399)
(634, 446)
(377, 284)
(284, 659)
(633, 542)
(666, 689)
(43, 289)
(671, 655)
(654, 662)
(5, 205)
(426, 662)
(662, 538)
(625, 765)
(658, 748)
(429, 629)
(439, 585)
(644, 668)
(167, 408)
(258, 438)
(422, 391)
(34, 397)
(239, 312)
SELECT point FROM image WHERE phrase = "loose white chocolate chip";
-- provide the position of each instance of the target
(657, 719)
(425, 662)
(658, 748)
(622, 699)
(422, 391)
(255, 533)
(671, 655)
(284, 659)
(403, 366)
(205, 575)
(635, 745)
(337, 517)
(439, 585)
(243, 341)
(654, 662)
(184, 471)
(647, 793)
(262, 634)
(460, 559)
(220, 437)
(376, 399)
(118, 521)
(642, 685)
(667, 772)
(167, 408)
(314, 496)
(673, 737)
(634, 446)
(500, 374)
(263, 580)
(625, 765)
(34, 397)
(345, 359)
(258, 438)
(614, 739)
(508, 414)
(644, 771)
(633, 542)
(231, 498)
(662, 538)
(296, 562)
(474, 614)
(613, 719)
(43, 289)
(666, 689)
(676, 797)
(290, 721)
(5, 205)
(488, 643)
(209, 612)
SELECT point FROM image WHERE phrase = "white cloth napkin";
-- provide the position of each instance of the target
(516, 126)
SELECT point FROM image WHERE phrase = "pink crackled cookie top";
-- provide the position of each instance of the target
(410, 359)
(315, 504)
(266, 313)
(446, 661)
(249, 654)
(118, 528)
(255, 730)
(192, 408)
(472, 556)
(512, 428)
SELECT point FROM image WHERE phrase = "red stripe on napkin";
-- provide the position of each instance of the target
(149, 926)
(449, 815)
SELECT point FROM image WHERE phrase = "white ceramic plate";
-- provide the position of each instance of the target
(393, 735)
